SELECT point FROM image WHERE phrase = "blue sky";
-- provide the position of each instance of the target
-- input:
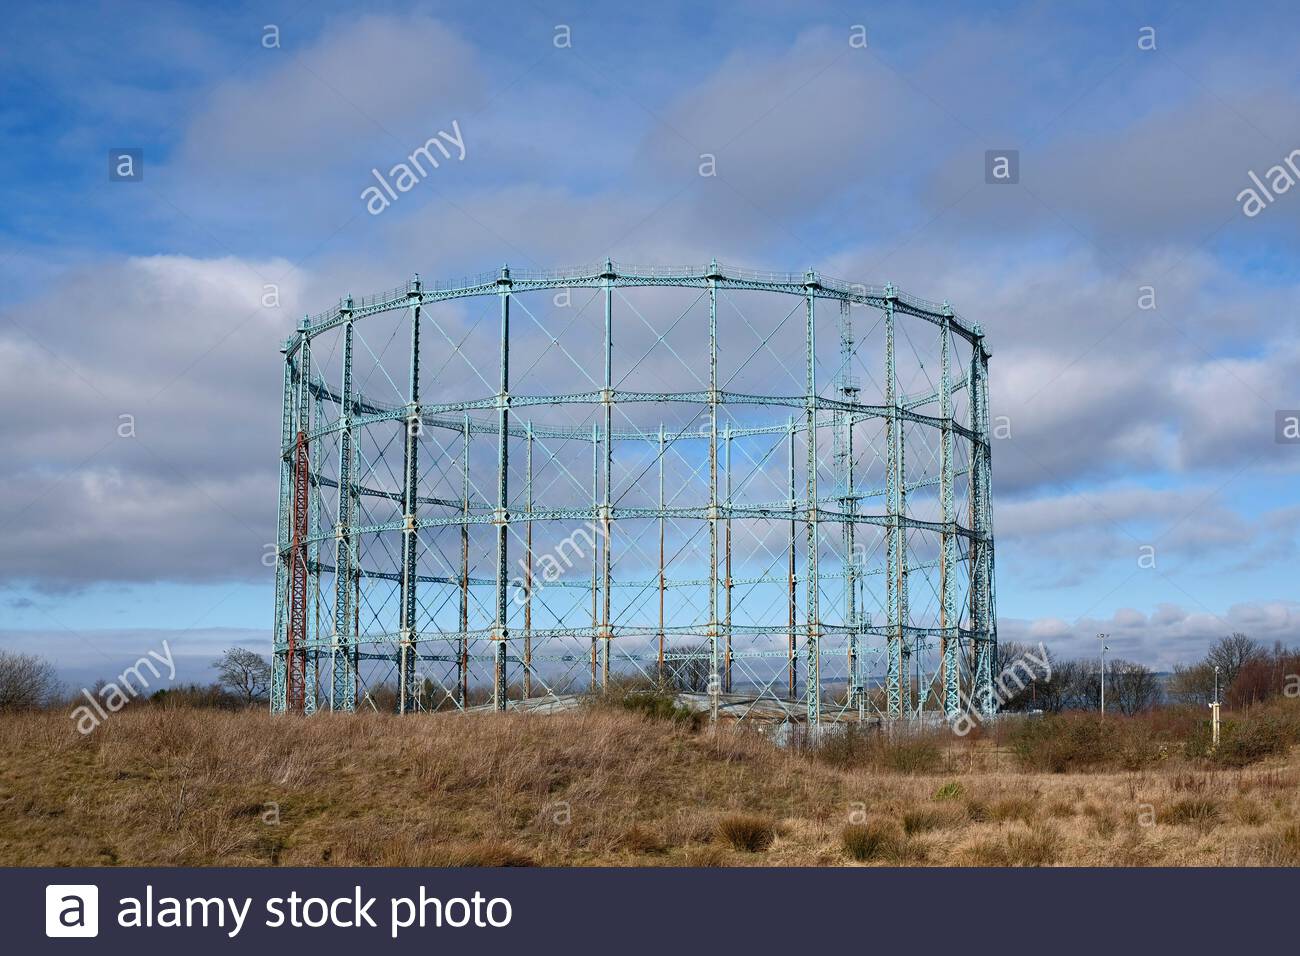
(1128, 426)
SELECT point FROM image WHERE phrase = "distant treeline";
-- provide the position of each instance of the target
(1248, 673)
(1027, 679)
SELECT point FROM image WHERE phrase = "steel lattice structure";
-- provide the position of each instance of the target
(716, 505)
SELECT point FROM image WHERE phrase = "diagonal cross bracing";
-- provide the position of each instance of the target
(700, 484)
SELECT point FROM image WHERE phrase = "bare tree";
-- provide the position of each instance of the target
(690, 673)
(26, 681)
(1022, 676)
(1192, 685)
(1269, 674)
(1066, 688)
(245, 673)
(1085, 694)
(1131, 687)
(1230, 654)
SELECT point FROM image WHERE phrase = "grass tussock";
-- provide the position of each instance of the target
(877, 839)
(486, 853)
(1026, 846)
(747, 833)
(1011, 809)
(1061, 809)
(1200, 812)
(923, 819)
(1283, 847)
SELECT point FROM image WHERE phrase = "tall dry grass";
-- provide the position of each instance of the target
(618, 785)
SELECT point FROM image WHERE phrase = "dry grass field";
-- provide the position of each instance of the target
(607, 785)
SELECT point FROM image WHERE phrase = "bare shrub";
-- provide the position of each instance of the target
(1247, 741)
(911, 755)
(1075, 742)
(655, 701)
(27, 682)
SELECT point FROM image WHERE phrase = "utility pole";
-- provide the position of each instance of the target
(1104, 649)
(1214, 711)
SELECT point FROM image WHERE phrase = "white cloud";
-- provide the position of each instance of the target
(366, 86)
(1168, 635)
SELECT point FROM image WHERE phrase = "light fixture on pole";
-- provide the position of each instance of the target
(1104, 649)
(1214, 710)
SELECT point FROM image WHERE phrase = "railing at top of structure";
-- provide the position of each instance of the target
(394, 298)
(366, 301)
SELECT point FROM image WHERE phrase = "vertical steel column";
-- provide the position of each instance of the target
(462, 660)
(857, 695)
(982, 539)
(356, 595)
(303, 699)
(990, 577)
(949, 619)
(500, 632)
(848, 500)
(714, 677)
(408, 654)
(792, 660)
(661, 555)
(296, 639)
(907, 643)
(595, 550)
(994, 704)
(895, 672)
(343, 685)
(607, 400)
(528, 564)
(812, 677)
(279, 645)
(726, 445)
(312, 649)
(300, 584)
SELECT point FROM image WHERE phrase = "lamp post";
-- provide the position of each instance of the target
(1104, 649)
(1214, 710)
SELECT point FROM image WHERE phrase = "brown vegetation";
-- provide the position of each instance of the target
(639, 783)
